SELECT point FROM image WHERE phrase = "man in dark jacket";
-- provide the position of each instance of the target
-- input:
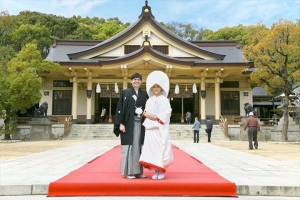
(209, 127)
(128, 124)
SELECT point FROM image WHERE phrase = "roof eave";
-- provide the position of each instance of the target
(170, 59)
(222, 64)
(78, 63)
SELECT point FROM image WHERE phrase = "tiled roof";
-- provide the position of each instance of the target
(59, 53)
(259, 91)
(145, 16)
(223, 52)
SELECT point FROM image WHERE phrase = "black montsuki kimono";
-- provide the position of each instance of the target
(125, 113)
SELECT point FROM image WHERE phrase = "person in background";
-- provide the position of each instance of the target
(253, 126)
(188, 117)
(103, 115)
(196, 128)
(209, 127)
(157, 152)
(128, 124)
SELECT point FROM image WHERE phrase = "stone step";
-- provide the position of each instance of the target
(105, 131)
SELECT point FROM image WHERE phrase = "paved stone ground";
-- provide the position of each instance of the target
(275, 150)
(14, 149)
(272, 170)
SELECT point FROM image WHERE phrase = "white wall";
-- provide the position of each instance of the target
(209, 103)
(82, 102)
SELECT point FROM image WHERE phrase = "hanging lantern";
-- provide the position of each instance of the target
(203, 94)
(98, 88)
(194, 89)
(176, 89)
(116, 88)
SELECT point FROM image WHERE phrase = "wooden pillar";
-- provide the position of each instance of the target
(217, 101)
(89, 102)
(74, 99)
(203, 112)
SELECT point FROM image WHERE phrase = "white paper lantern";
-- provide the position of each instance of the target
(98, 88)
(194, 88)
(176, 89)
(116, 88)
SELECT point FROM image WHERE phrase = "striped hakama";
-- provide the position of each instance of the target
(130, 154)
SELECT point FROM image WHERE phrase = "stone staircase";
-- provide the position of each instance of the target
(105, 132)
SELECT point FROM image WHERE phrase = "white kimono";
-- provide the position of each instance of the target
(157, 149)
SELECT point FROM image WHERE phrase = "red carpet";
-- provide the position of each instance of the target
(101, 177)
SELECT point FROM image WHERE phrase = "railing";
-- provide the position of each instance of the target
(54, 119)
(67, 125)
(224, 126)
(269, 121)
(236, 119)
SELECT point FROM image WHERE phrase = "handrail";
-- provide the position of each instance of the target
(224, 126)
(67, 125)
(236, 119)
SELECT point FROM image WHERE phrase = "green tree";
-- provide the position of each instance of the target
(35, 34)
(276, 55)
(6, 27)
(20, 83)
(110, 28)
(58, 26)
(202, 33)
(229, 33)
(97, 28)
(6, 54)
(185, 31)
(83, 32)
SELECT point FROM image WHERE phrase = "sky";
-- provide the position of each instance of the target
(208, 14)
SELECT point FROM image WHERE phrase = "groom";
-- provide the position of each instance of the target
(128, 124)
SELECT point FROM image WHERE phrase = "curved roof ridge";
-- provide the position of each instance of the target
(169, 57)
(136, 52)
(151, 51)
(219, 56)
(105, 42)
(146, 11)
(118, 34)
(123, 58)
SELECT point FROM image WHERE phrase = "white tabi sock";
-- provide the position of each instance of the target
(161, 175)
(155, 175)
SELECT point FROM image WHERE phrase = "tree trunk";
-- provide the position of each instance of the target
(285, 110)
(7, 125)
(7, 134)
(7, 137)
